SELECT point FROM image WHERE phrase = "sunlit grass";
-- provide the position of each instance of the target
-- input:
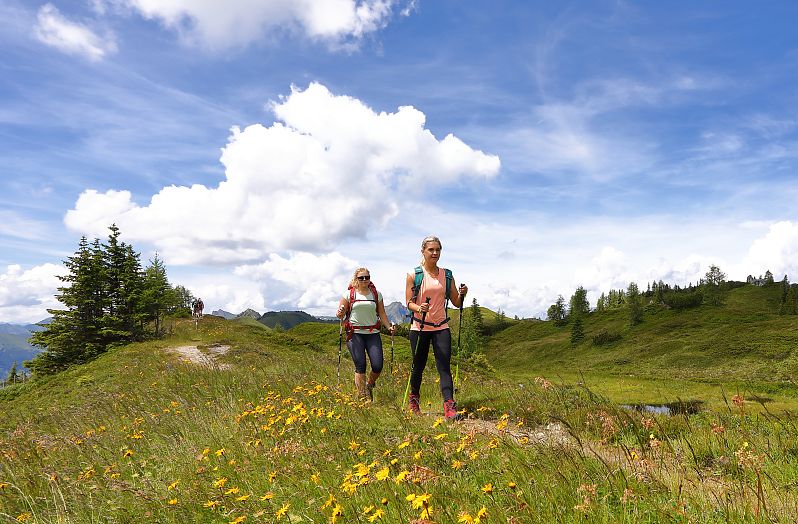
(139, 436)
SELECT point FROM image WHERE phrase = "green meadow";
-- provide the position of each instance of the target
(265, 432)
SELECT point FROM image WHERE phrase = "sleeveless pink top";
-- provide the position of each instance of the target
(433, 287)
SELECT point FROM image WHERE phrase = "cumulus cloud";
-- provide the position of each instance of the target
(234, 23)
(304, 280)
(776, 251)
(74, 38)
(329, 169)
(26, 294)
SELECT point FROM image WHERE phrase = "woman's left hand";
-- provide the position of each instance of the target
(463, 290)
(392, 329)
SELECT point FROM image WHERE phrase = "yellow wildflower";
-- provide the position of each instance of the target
(172, 502)
(377, 515)
(465, 518)
(482, 513)
(242, 498)
(22, 517)
(238, 520)
(219, 483)
(220, 452)
(488, 488)
(401, 476)
(456, 465)
(231, 491)
(282, 512)
(403, 444)
(173, 485)
(267, 496)
(382, 474)
(211, 504)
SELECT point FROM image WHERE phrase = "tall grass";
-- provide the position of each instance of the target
(140, 436)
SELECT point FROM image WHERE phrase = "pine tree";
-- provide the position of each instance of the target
(768, 278)
(73, 336)
(577, 331)
(556, 312)
(785, 288)
(13, 375)
(476, 317)
(714, 286)
(579, 306)
(633, 302)
(157, 294)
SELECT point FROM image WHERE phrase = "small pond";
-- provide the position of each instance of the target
(683, 407)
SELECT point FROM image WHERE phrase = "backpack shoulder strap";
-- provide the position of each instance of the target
(449, 279)
(418, 278)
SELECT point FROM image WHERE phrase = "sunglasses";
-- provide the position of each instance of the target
(364, 277)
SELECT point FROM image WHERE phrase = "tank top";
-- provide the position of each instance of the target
(433, 287)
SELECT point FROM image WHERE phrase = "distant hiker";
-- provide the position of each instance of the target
(363, 312)
(428, 290)
(196, 308)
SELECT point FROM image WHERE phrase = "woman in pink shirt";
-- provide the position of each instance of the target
(428, 301)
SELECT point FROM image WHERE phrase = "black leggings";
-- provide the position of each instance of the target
(359, 345)
(442, 349)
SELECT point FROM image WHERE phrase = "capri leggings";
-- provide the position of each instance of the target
(359, 345)
(442, 349)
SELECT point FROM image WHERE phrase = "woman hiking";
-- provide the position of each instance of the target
(427, 290)
(363, 312)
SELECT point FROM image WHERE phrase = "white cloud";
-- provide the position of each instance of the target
(330, 169)
(70, 37)
(776, 251)
(26, 294)
(234, 23)
(312, 283)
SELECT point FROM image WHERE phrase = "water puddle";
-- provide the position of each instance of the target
(683, 407)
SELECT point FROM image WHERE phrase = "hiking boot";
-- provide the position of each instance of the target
(450, 410)
(370, 391)
(413, 405)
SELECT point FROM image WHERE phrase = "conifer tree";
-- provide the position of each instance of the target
(158, 296)
(579, 306)
(577, 331)
(73, 336)
(714, 286)
(633, 302)
(556, 312)
(476, 317)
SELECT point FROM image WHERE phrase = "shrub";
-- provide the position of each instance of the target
(605, 337)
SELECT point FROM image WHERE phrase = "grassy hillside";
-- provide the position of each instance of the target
(142, 435)
(744, 344)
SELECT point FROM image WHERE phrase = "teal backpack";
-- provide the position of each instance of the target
(417, 279)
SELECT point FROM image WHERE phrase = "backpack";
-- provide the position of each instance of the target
(418, 278)
(348, 326)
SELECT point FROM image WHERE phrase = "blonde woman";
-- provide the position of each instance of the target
(428, 290)
(363, 312)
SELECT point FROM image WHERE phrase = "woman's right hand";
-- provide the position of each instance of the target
(340, 312)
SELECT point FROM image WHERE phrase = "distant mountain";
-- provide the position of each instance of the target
(19, 329)
(397, 313)
(224, 314)
(289, 319)
(14, 345)
(251, 313)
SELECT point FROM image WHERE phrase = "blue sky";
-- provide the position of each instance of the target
(265, 150)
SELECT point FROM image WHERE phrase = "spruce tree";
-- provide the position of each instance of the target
(634, 303)
(577, 331)
(556, 312)
(157, 295)
(476, 317)
(579, 306)
(714, 286)
(74, 334)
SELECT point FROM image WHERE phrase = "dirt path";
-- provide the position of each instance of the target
(193, 355)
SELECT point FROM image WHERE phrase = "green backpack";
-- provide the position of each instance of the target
(417, 279)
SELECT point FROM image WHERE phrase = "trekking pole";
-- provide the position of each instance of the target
(413, 352)
(459, 348)
(340, 339)
(392, 352)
